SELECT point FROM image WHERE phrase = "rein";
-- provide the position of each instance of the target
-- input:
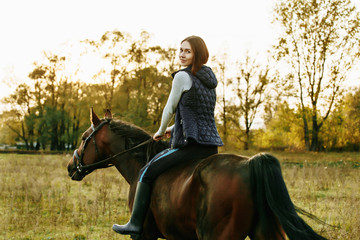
(83, 169)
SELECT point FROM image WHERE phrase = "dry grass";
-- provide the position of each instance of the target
(39, 201)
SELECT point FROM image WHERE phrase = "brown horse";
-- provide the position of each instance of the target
(224, 196)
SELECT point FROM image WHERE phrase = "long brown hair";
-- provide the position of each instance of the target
(201, 53)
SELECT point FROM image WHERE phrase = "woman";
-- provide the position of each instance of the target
(193, 136)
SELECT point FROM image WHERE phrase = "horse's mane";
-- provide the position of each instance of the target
(134, 135)
(129, 130)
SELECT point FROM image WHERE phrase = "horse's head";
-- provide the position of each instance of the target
(94, 147)
(110, 142)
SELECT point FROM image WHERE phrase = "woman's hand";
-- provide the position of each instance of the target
(157, 136)
(168, 132)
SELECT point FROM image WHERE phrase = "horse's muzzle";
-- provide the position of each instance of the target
(72, 173)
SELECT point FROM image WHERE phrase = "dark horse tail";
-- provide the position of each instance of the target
(273, 202)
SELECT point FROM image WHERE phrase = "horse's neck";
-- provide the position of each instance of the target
(129, 167)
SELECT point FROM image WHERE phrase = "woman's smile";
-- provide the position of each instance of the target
(186, 54)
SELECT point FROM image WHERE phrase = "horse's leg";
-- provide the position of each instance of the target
(150, 231)
(257, 234)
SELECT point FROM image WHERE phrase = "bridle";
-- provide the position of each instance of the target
(83, 169)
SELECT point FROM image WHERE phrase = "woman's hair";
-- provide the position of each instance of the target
(201, 53)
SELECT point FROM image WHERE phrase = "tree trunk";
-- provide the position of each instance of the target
(315, 135)
(306, 133)
(224, 121)
(54, 138)
(247, 141)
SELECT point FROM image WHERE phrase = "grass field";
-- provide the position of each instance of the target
(39, 201)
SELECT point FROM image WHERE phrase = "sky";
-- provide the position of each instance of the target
(30, 27)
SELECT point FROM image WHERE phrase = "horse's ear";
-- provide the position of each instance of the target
(108, 114)
(93, 117)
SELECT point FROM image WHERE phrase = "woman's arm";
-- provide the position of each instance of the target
(181, 83)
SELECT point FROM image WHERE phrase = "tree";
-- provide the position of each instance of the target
(160, 81)
(7, 136)
(352, 120)
(320, 41)
(282, 129)
(20, 119)
(112, 47)
(49, 78)
(342, 131)
(15, 122)
(223, 99)
(148, 85)
(249, 86)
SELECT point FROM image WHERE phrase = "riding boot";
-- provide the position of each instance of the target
(140, 208)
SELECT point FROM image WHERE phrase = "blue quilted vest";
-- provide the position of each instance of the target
(194, 118)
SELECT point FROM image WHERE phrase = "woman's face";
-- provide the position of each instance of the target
(186, 54)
